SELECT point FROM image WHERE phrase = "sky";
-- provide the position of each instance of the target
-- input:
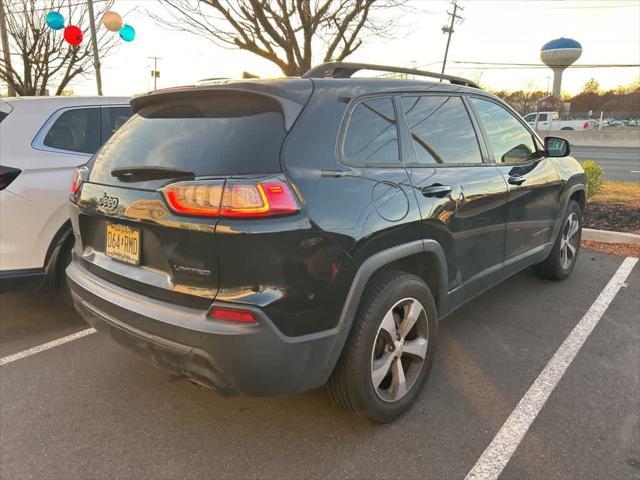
(510, 31)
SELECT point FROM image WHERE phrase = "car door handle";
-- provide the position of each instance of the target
(436, 191)
(516, 180)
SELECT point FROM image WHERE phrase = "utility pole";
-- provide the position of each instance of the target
(155, 73)
(11, 92)
(449, 30)
(94, 46)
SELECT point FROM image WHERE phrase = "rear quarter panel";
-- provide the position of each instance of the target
(345, 228)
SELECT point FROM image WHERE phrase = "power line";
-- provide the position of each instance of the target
(541, 65)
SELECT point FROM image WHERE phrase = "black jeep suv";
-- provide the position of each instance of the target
(267, 237)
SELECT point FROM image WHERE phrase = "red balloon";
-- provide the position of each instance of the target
(73, 35)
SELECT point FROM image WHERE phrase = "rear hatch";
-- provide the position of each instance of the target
(148, 211)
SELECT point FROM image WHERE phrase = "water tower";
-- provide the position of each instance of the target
(558, 54)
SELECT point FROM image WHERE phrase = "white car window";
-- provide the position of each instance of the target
(76, 130)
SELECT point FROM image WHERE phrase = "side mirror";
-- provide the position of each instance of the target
(557, 147)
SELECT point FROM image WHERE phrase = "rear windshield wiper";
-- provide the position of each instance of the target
(131, 174)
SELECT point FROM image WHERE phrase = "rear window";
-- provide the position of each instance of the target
(216, 134)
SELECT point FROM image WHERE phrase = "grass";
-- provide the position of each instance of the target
(618, 192)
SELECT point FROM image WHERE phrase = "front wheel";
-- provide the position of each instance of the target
(560, 262)
(390, 349)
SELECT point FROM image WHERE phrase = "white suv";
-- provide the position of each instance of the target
(42, 140)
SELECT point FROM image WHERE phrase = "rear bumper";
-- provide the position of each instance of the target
(232, 358)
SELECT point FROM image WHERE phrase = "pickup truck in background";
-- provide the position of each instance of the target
(551, 121)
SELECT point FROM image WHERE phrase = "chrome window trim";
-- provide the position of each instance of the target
(38, 141)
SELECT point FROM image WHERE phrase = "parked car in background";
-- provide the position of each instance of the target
(266, 237)
(42, 140)
(551, 121)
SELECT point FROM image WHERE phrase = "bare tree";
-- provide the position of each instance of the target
(39, 55)
(285, 32)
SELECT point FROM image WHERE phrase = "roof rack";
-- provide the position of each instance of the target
(346, 70)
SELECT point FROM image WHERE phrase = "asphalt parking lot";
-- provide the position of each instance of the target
(89, 409)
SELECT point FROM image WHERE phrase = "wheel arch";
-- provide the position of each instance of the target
(579, 195)
(577, 192)
(389, 258)
(52, 258)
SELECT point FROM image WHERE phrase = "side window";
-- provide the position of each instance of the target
(507, 137)
(441, 130)
(113, 119)
(372, 133)
(543, 117)
(531, 118)
(76, 130)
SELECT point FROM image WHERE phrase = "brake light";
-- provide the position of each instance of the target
(586, 125)
(232, 315)
(76, 182)
(233, 198)
(8, 175)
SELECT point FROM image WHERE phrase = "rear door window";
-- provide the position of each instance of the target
(441, 130)
(224, 133)
(371, 136)
(75, 130)
(112, 119)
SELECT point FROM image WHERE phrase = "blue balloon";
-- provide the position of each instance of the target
(127, 33)
(55, 20)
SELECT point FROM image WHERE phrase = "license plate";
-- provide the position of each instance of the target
(123, 243)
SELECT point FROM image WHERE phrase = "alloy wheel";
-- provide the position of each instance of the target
(399, 350)
(569, 241)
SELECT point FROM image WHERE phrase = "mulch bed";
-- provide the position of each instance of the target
(619, 217)
(620, 249)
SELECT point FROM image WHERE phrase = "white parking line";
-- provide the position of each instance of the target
(496, 456)
(46, 346)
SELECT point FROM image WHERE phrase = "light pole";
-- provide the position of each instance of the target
(155, 73)
(94, 46)
(449, 30)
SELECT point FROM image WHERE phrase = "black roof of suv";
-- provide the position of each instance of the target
(269, 236)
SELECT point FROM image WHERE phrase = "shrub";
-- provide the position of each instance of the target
(594, 171)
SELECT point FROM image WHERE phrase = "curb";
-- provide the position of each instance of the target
(608, 236)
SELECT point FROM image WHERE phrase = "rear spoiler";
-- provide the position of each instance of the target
(291, 94)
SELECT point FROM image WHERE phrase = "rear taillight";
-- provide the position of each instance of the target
(232, 315)
(586, 125)
(76, 182)
(7, 175)
(234, 198)
(77, 179)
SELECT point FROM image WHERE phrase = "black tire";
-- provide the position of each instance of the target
(566, 128)
(351, 384)
(554, 267)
